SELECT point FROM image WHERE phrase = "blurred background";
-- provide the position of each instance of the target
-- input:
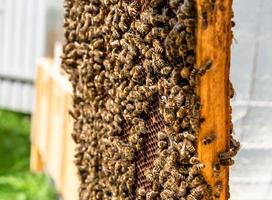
(32, 29)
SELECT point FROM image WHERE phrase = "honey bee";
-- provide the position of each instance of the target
(174, 3)
(162, 135)
(151, 195)
(149, 53)
(228, 162)
(182, 189)
(187, 7)
(148, 37)
(190, 42)
(167, 194)
(141, 191)
(182, 150)
(166, 71)
(157, 46)
(162, 144)
(224, 156)
(195, 169)
(185, 73)
(189, 136)
(234, 146)
(218, 189)
(209, 139)
(190, 147)
(208, 64)
(133, 9)
(197, 193)
(194, 160)
(231, 90)
(169, 117)
(191, 22)
(181, 112)
(159, 32)
(185, 122)
(198, 180)
(141, 27)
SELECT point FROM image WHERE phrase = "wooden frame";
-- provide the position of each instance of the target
(213, 42)
(52, 147)
(214, 38)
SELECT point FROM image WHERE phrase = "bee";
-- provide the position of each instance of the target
(151, 195)
(198, 180)
(208, 64)
(216, 169)
(141, 191)
(133, 9)
(174, 3)
(158, 62)
(175, 90)
(185, 73)
(173, 157)
(209, 139)
(167, 194)
(181, 147)
(197, 193)
(169, 117)
(224, 155)
(189, 136)
(182, 190)
(163, 174)
(157, 46)
(190, 42)
(97, 44)
(149, 53)
(195, 169)
(190, 22)
(155, 3)
(186, 8)
(141, 27)
(204, 19)
(162, 144)
(166, 71)
(194, 160)
(185, 122)
(234, 146)
(148, 37)
(162, 135)
(190, 59)
(190, 147)
(231, 90)
(228, 162)
(173, 21)
(181, 112)
(159, 32)
(218, 189)
(123, 24)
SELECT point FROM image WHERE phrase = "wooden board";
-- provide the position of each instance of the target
(213, 42)
(52, 148)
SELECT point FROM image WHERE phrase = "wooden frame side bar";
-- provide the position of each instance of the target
(214, 38)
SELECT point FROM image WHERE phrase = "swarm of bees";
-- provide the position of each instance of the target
(122, 58)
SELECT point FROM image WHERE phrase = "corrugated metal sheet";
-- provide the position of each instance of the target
(22, 32)
(251, 177)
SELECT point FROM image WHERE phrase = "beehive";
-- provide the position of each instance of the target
(136, 99)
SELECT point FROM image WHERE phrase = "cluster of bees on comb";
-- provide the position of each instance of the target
(123, 57)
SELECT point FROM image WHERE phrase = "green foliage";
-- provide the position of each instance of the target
(26, 186)
(16, 181)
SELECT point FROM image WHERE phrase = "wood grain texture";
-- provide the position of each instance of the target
(52, 147)
(213, 42)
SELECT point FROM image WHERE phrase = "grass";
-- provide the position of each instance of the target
(16, 181)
